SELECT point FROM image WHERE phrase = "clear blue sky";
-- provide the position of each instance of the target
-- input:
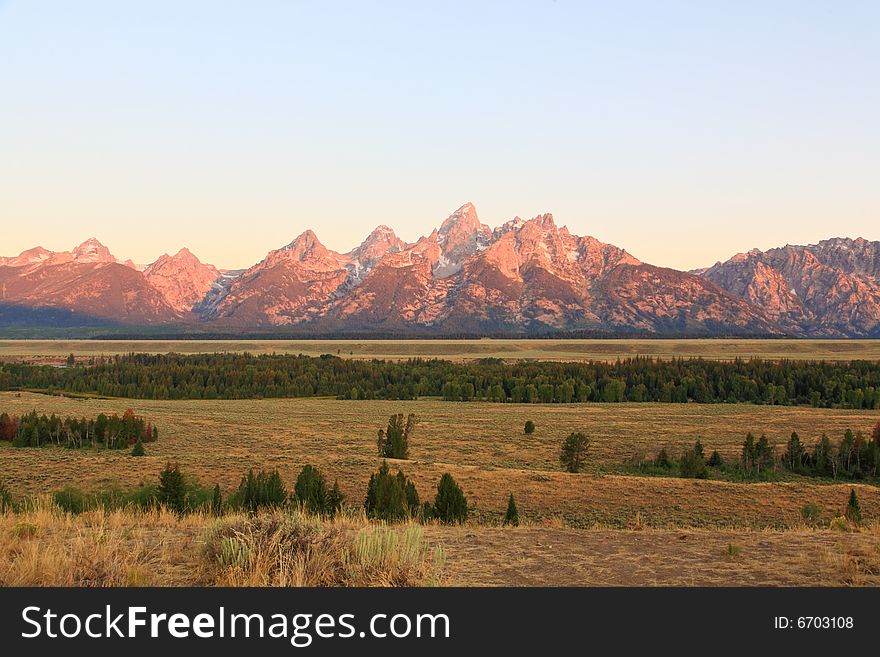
(681, 131)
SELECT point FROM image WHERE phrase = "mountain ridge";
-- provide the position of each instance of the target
(525, 276)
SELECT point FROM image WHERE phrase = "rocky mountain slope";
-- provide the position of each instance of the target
(463, 277)
(827, 289)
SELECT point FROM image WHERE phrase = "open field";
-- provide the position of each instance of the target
(44, 546)
(599, 527)
(482, 445)
(54, 351)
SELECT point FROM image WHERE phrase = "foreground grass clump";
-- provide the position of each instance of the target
(43, 545)
(301, 550)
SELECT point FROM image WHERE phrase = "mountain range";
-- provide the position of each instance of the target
(523, 277)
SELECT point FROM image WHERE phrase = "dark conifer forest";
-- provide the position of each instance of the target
(854, 384)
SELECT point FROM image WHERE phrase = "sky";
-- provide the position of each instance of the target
(683, 132)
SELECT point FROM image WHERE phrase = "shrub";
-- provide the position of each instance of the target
(393, 442)
(511, 517)
(715, 461)
(71, 500)
(840, 524)
(853, 510)
(5, 498)
(574, 451)
(138, 449)
(299, 550)
(450, 504)
(812, 512)
(529, 427)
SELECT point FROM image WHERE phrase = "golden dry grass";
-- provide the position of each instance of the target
(54, 351)
(543, 556)
(481, 444)
(43, 546)
(46, 547)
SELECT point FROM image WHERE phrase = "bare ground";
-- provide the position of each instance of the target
(541, 556)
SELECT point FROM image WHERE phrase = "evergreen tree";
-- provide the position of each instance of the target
(693, 463)
(172, 488)
(529, 427)
(450, 504)
(747, 459)
(387, 495)
(310, 490)
(663, 460)
(793, 459)
(511, 517)
(410, 493)
(335, 498)
(261, 490)
(138, 449)
(824, 460)
(393, 442)
(853, 510)
(574, 452)
(763, 455)
(217, 501)
(715, 461)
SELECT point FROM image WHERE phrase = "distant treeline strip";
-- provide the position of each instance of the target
(641, 379)
(108, 431)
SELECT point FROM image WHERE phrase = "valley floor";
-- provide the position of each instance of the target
(540, 556)
(45, 547)
(56, 351)
(599, 527)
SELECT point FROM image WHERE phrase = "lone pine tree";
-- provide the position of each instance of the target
(853, 509)
(217, 501)
(574, 452)
(393, 442)
(450, 504)
(172, 488)
(511, 517)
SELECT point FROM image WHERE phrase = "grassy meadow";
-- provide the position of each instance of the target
(605, 525)
(482, 445)
(55, 351)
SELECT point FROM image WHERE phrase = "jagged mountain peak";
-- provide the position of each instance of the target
(381, 241)
(306, 246)
(182, 279)
(527, 274)
(460, 236)
(92, 251)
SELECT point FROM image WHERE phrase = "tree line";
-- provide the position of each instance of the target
(853, 457)
(107, 431)
(389, 497)
(854, 384)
